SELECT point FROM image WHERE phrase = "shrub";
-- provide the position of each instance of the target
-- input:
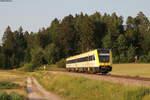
(8, 85)
(11, 96)
(116, 59)
(38, 57)
(28, 67)
(50, 54)
(61, 63)
(15, 96)
(143, 59)
(3, 96)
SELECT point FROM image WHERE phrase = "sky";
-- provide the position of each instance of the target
(35, 14)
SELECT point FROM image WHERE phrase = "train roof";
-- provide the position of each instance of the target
(81, 54)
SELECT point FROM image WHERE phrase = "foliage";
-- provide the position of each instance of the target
(145, 58)
(50, 54)
(37, 57)
(28, 67)
(61, 63)
(15, 96)
(3, 96)
(11, 96)
(8, 85)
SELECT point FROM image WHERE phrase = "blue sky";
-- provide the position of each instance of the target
(35, 14)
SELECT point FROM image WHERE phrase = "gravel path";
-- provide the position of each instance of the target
(121, 80)
(37, 92)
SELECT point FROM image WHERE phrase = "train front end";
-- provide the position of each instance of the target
(105, 60)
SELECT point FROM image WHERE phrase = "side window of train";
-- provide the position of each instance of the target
(88, 58)
(91, 58)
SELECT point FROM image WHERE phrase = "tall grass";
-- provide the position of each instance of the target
(136, 94)
(15, 96)
(8, 85)
(79, 88)
(11, 96)
(3, 96)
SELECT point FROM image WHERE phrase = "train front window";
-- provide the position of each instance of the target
(104, 58)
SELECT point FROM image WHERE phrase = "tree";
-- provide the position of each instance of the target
(87, 40)
(43, 39)
(21, 45)
(99, 30)
(130, 53)
(137, 32)
(67, 37)
(106, 41)
(53, 30)
(121, 48)
(8, 46)
(50, 54)
(37, 57)
(2, 58)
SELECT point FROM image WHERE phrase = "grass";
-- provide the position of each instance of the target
(8, 85)
(79, 88)
(10, 96)
(52, 68)
(141, 70)
(13, 81)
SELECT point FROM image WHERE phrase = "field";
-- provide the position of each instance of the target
(140, 70)
(12, 82)
(79, 88)
(71, 87)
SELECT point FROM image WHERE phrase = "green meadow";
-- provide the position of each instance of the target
(79, 88)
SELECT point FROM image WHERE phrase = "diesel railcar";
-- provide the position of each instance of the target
(95, 61)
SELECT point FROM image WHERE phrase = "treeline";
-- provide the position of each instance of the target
(75, 34)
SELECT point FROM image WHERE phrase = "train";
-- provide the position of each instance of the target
(94, 61)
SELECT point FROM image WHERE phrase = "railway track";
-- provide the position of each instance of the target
(126, 80)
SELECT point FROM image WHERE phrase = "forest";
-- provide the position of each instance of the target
(76, 34)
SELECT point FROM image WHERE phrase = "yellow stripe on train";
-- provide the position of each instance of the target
(105, 64)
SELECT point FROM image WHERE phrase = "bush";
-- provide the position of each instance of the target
(15, 96)
(11, 96)
(143, 59)
(3, 96)
(61, 63)
(28, 67)
(8, 85)
(116, 59)
(38, 57)
(50, 54)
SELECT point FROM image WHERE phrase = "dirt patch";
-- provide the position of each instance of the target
(37, 92)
